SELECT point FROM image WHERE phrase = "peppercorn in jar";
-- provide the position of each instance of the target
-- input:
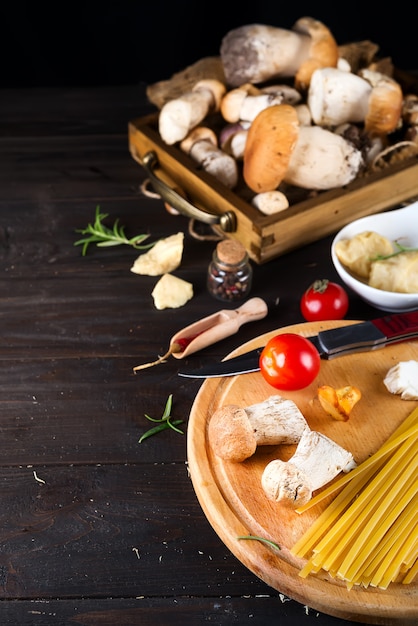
(229, 273)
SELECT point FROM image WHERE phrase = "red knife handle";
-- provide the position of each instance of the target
(398, 324)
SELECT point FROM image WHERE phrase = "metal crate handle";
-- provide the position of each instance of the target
(227, 221)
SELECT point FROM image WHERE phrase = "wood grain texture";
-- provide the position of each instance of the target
(232, 497)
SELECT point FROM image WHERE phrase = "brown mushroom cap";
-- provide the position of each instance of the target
(384, 112)
(231, 435)
(270, 142)
(323, 51)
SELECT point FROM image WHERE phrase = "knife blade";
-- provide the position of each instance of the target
(332, 343)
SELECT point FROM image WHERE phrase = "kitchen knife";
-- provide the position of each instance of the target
(332, 343)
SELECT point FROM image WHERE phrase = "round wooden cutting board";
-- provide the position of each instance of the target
(232, 499)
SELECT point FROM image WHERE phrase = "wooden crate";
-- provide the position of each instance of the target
(267, 237)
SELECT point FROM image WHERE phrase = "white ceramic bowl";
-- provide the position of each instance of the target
(397, 224)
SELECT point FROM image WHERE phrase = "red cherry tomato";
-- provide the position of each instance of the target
(324, 300)
(289, 362)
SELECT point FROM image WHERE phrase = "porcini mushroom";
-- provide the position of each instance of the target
(257, 53)
(178, 116)
(323, 51)
(322, 159)
(235, 432)
(336, 96)
(384, 113)
(271, 140)
(201, 145)
(280, 149)
(241, 104)
(316, 461)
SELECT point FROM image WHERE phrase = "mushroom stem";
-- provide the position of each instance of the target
(240, 104)
(178, 116)
(201, 145)
(316, 462)
(322, 159)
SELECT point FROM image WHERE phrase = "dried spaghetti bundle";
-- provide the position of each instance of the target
(368, 534)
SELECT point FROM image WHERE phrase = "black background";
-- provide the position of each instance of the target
(44, 44)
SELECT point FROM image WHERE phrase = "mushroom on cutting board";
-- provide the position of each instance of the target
(317, 460)
(201, 145)
(257, 53)
(235, 432)
(177, 117)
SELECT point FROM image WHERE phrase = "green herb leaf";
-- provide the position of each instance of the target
(399, 249)
(262, 539)
(163, 422)
(103, 236)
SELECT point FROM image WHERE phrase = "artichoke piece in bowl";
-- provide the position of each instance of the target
(365, 256)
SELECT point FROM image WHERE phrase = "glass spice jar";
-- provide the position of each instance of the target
(229, 273)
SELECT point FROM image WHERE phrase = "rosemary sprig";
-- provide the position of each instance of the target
(164, 422)
(272, 544)
(399, 249)
(103, 236)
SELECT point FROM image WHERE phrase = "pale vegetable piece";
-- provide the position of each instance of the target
(235, 432)
(162, 258)
(398, 273)
(338, 403)
(317, 460)
(356, 253)
(402, 379)
(171, 292)
(270, 202)
(322, 159)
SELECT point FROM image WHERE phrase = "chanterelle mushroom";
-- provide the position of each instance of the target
(316, 462)
(235, 432)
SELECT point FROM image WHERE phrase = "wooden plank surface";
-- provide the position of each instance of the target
(72, 411)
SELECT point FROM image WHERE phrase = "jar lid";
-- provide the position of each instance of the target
(230, 251)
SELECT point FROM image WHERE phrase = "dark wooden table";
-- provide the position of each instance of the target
(96, 528)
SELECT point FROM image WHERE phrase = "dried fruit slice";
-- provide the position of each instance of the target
(338, 402)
